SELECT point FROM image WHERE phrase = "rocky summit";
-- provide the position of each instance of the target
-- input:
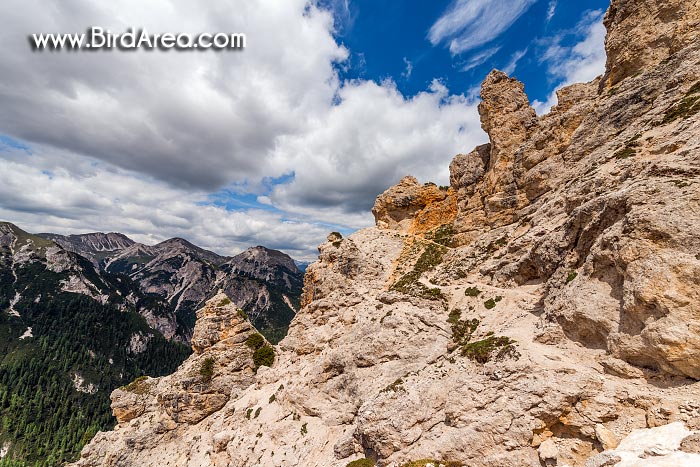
(542, 310)
(264, 282)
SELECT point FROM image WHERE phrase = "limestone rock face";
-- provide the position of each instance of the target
(413, 207)
(642, 34)
(538, 312)
(158, 407)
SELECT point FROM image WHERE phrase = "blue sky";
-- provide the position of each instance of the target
(383, 39)
(331, 103)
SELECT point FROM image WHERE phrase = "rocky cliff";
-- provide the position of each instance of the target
(264, 282)
(541, 310)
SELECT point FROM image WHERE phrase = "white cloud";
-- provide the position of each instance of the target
(139, 141)
(509, 69)
(577, 63)
(468, 24)
(479, 58)
(369, 141)
(201, 119)
(63, 193)
(409, 68)
(551, 10)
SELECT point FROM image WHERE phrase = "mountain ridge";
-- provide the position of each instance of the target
(186, 275)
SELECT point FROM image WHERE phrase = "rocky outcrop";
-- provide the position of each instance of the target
(643, 34)
(222, 363)
(672, 444)
(413, 207)
(546, 313)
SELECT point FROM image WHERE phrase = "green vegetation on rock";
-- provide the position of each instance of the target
(138, 386)
(410, 283)
(497, 347)
(207, 369)
(361, 463)
(472, 292)
(442, 235)
(263, 353)
(255, 341)
(686, 108)
(436, 463)
(264, 356)
(492, 347)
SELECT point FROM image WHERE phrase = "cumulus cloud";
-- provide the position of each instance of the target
(199, 119)
(341, 155)
(468, 24)
(60, 192)
(143, 142)
(580, 62)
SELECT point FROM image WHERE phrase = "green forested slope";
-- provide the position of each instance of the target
(44, 419)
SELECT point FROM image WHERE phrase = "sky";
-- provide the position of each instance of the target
(330, 103)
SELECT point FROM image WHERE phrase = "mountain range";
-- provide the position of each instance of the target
(85, 314)
(265, 283)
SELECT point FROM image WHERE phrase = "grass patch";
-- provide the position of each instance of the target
(335, 238)
(462, 331)
(264, 356)
(138, 386)
(442, 235)
(454, 316)
(630, 148)
(224, 302)
(241, 314)
(686, 108)
(263, 353)
(494, 347)
(436, 463)
(361, 463)
(490, 304)
(491, 348)
(255, 341)
(472, 292)
(571, 276)
(396, 386)
(206, 371)
(409, 283)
